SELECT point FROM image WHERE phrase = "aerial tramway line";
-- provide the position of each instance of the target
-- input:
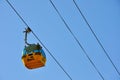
(30, 56)
(33, 55)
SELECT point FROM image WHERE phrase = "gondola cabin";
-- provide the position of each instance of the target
(33, 56)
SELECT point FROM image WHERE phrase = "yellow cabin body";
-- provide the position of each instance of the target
(34, 60)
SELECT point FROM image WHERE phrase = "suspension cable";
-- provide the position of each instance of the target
(40, 41)
(106, 53)
(53, 57)
(17, 13)
(76, 39)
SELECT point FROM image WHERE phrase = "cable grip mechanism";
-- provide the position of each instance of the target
(27, 30)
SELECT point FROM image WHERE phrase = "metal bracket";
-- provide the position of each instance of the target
(28, 30)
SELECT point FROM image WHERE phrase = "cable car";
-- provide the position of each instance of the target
(33, 55)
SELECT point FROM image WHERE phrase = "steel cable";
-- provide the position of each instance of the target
(106, 53)
(76, 39)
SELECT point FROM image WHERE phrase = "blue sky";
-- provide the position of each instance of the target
(102, 15)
